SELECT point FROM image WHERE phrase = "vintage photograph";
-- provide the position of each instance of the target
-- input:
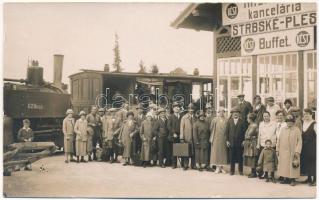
(159, 100)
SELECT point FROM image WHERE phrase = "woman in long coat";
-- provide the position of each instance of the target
(250, 145)
(128, 130)
(218, 154)
(80, 130)
(308, 152)
(201, 137)
(288, 152)
(147, 135)
(68, 131)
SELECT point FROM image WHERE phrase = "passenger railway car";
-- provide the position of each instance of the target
(103, 88)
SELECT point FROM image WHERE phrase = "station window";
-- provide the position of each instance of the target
(310, 78)
(277, 76)
(234, 77)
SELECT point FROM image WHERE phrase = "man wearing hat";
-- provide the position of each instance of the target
(186, 135)
(201, 138)
(136, 140)
(93, 120)
(244, 107)
(235, 135)
(153, 111)
(272, 108)
(174, 124)
(161, 132)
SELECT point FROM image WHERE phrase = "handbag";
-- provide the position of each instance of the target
(296, 161)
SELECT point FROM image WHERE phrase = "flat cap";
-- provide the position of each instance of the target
(240, 95)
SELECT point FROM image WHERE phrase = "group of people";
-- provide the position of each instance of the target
(265, 138)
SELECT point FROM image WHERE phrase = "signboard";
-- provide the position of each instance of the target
(274, 24)
(234, 13)
(281, 41)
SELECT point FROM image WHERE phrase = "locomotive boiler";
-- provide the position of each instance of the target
(43, 103)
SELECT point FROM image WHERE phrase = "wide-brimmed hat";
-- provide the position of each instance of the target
(130, 113)
(69, 111)
(82, 113)
(161, 110)
(235, 109)
(112, 110)
(175, 104)
(191, 107)
(26, 121)
(270, 99)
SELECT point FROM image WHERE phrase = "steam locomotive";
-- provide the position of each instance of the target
(43, 103)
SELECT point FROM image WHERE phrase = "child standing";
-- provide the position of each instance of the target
(80, 130)
(25, 134)
(268, 161)
(68, 129)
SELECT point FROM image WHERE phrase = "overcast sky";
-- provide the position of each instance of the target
(84, 34)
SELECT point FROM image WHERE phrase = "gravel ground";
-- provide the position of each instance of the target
(97, 179)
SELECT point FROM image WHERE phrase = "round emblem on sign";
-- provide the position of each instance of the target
(302, 38)
(232, 11)
(249, 45)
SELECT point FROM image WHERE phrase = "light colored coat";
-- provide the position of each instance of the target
(218, 153)
(146, 134)
(107, 127)
(128, 128)
(186, 131)
(289, 143)
(68, 131)
(81, 132)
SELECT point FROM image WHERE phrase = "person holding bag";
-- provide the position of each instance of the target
(288, 149)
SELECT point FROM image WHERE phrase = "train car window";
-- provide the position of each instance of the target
(75, 89)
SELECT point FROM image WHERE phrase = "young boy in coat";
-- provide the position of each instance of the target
(268, 161)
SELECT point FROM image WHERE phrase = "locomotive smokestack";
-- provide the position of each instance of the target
(58, 66)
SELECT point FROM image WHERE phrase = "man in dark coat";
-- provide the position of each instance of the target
(136, 140)
(93, 120)
(161, 132)
(174, 124)
(235, 135)
(244, 107)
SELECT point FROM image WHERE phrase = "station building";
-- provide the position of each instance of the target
(259, 49)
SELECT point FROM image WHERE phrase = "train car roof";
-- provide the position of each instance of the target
(146, 75)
